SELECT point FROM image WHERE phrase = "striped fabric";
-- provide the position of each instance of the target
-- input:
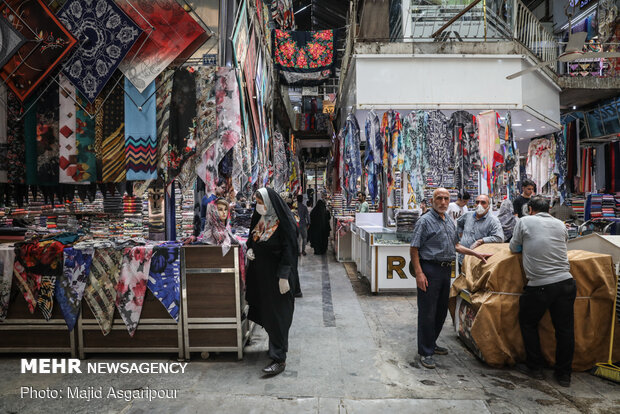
(67, 126)
(164, 97)
(113, 169)
(100, 293)
(140, 133)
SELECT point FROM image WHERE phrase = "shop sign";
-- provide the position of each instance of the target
(328, 107)
(209, 59)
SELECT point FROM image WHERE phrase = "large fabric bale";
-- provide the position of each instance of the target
(494, 290)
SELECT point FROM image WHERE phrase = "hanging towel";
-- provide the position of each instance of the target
(140, 132)
(131, 287)
(165, 277)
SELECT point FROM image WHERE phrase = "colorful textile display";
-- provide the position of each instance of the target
(47, 137)
(414, 145)
(12, 40)
(100, 292)
(34, 60)
(170, 33)
(352, 157)
(304, 53)
(439, 150)
(163, 85)
(67, 144)
(140, 132)
(85, 139)
(283, 14)
(7, 258)
(182, 114)
(374, 153)
(488, 137)
(70, 286)
(16, 169)
(463, 128)
(113, 168)
(560, 163)
(165, 277)
(131, 287)
(105, 34)
(280, 173)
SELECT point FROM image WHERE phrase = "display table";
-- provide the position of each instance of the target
(343, 238)
(214, 307)
(382, 258)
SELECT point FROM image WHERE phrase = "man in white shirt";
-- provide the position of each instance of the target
(459, 207)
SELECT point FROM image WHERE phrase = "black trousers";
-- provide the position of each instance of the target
(432, 305)
(277, 351)
(559, 299)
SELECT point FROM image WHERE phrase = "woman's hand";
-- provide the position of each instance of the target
(250, 254)
(284, 286)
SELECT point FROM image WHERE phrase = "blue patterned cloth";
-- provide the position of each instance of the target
(374, 153)
(70, 286)
(105, 35)
(352, 157)
(140, 132)
(165, 276)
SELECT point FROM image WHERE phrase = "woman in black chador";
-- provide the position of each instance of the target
(272, 273)
(319, 227)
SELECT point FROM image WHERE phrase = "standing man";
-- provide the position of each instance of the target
(459, 207)
(433, 247)
(361, 198)
(304, 223)
(542, 239)
(478, 227)
(520, 204)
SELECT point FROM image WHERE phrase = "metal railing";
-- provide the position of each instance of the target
(531, 33)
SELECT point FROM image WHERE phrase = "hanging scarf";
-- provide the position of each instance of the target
(507, 218)
(7, 258)
(113, 169)
(373, 136)
(216, 231)
(140, 133)
(280, 175)
(182, 114)
(387, 146)
(131, 287)
(409, 152)
(47, 137)
(396, 152)
(70, 286)
(165, 277)
(268, 224)
(4, 146)
(561, 164)
(462, 126)
(488, 135)
(163, 101)
(439, 148)
(352, 158)
(100, 292)
(16, 169)
(67, 143)
(85, 140)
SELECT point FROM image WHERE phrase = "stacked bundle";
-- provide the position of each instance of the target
(339, 206)
(145, 215)
(113, 204)
(187, 214)
(405, 222)
(596, 206)
(578, 205)
(132, 210)
(609, 206)
(618, 205)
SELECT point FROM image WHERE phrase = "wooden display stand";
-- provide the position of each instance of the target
(157, 332)
(213, 301)
(23, 332)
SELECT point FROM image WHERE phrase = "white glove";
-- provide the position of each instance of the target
(284, 286)
(250, 254)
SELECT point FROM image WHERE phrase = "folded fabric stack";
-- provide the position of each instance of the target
(617, 205)
(405, 222)
(609, 206)
(113, 204)
(12, 234)
(596, 206)
(132, 210)
(578, 205)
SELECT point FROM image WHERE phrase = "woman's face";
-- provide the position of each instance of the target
(222, 211)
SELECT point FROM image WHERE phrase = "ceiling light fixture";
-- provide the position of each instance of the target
(528, 120)
(574, 107)
(530, 130)
(543, 127)
(514, 125)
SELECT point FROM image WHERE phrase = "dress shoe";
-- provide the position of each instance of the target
(427, 361)
(440, 350)
(532, 373)
(562, 379)
(274, 368)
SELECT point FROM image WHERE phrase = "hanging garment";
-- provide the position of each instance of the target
(34, 59)
(413, 153)
(67, 144)
(396, 152)
(561, 163)
(16, 169)
(182, 114)
(341, 165)
(70, 286)
(113, 167)
(488, 136)
(131, 287)
(280, 174)
(47, 137)
(165, 277)
(140, 133)
(85, 140)
(599, 169)
(373, 135)
(614, 170)
(283, 14)
(387, 134)
(439, 148)
(462, 126)
(100, 292)
(169, 34)
(105, 36)
(352, 157)
(163, 101)
(7, 259)
(539, 162)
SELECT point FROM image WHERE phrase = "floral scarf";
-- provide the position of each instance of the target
(70, 286)
(131, 287)
(7, 258)
(268, 224)
(216, 231)
(374, 153)
(165, 277)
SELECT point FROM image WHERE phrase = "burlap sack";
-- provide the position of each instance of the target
(495, 288)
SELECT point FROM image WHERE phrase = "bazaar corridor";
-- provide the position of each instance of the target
(349, 351)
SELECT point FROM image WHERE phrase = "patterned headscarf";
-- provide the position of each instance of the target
(217, 232)
(268, 223)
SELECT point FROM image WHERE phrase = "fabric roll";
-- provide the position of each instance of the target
(67, 123)
(47, 137)
(165, 277)
(70, 286)
(140, 132)
(16, 169)
(132, 284)
(7, 259)
(85, 140)
(100, 291)
(113, 168)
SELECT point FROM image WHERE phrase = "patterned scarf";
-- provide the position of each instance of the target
(561, 164)
(131, 287)
(439, 149)
(16, 170)
(47, 137)
(268, 224)
(100, 292)
(463, 128)
(85, 139)
(7, 258)
(217, 232)
(182, 114)
(280, 175)
(4, 146)
(67, 143)
(140, 133)
(70, 286)
(374, 153)
(488, 135)
(165, 277)
(113, 168)
(353, 162)
(164, 98)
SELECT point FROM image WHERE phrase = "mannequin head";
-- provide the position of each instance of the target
(222, 209)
